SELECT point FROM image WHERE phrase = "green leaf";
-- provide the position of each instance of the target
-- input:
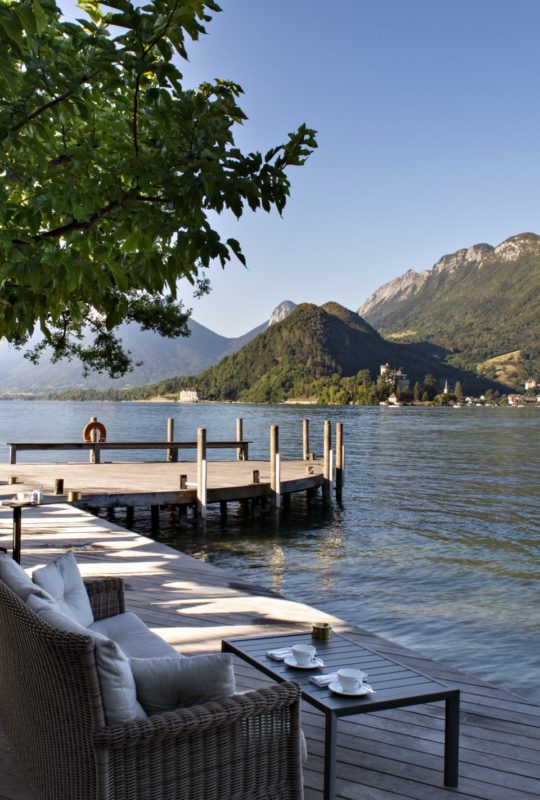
(39, 16)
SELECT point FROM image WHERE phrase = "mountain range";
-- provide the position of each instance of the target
(474, 317)
(293, 358)
(160, 357)
(481, 304)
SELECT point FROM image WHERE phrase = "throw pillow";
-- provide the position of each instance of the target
(18, 581)
(115, 677)
(164, 684)
(63, 581)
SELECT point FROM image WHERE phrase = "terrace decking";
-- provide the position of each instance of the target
(391, 755)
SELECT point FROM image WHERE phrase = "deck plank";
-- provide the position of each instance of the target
(390, 755)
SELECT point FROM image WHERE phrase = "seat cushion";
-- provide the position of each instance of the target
(18, 581)
(115, 676)
(63, 581)
(133, 636)
(164, 684)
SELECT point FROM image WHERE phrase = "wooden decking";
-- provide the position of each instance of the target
(158, 483)
(393, 755)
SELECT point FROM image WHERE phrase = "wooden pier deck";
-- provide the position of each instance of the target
(158, 483)
(392, 755)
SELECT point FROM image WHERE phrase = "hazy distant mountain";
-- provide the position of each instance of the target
(312, 342)
(482, 304)
(161, 358)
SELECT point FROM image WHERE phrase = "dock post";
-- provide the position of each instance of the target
(223, 509)
(275, 466)
(130, 516)
(171, 454)
(305, 431)
(239, 437)
(202, 472)
(154, 519)
(13, 454)
(339, 461)
(326, 464)
(93, 438)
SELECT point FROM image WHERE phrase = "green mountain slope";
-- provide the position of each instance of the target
(479, 304)
(312, 343)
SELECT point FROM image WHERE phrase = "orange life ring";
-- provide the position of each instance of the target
(92, 426)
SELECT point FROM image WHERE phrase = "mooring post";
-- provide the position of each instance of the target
(305, 427)
(339, 461)
(154, 519)
(202, 474)
(327, 443)
(93, 438)
(275, 466)
(172, 453)
(239, 437)
(130, 516)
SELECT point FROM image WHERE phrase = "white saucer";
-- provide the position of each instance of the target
(335, 686)
(292, 662)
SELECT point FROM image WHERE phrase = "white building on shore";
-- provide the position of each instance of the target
(189, 396)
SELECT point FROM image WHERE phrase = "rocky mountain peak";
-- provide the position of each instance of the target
(514, 247)
(410, 283)
(281, 312)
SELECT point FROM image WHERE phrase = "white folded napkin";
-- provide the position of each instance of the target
(280, 653)
(324, 680)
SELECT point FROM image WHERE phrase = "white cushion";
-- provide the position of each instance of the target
(18, 581)
(115, 677)
(135, 639)
(164, 684)
(63, 581)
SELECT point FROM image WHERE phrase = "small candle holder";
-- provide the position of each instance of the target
(321, 630)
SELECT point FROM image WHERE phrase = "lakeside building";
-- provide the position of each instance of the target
(189, 396)
(521, 399)
(530, 383)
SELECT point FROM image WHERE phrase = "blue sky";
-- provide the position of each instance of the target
(429, 134)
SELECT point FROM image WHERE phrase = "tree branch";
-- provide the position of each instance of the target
(60, 99)
(76, 225)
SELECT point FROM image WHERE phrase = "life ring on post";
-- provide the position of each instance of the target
(92, 426)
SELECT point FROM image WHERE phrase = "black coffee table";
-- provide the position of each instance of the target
(395, 686)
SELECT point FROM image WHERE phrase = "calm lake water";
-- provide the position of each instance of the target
(436, 544)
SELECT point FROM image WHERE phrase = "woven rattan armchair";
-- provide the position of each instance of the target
(242, 748)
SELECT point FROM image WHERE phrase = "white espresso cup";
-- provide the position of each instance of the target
(350, 679)
(304, 654)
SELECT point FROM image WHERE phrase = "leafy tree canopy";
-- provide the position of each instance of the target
(110, 169)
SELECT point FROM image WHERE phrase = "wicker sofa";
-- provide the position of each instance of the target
(246, 747)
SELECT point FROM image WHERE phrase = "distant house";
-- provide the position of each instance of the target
(521, 399)
(530, 383)
(189, 396)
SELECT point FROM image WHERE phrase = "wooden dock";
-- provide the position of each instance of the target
(392, 755)
(132, 484)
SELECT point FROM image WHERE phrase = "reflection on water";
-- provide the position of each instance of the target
(436, 544)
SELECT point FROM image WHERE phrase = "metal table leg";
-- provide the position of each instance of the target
(17, 515)
(330, 741)
(451, 741)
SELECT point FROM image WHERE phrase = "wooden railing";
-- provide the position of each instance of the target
(95, 448)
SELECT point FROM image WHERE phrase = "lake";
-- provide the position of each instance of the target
(436, 544)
